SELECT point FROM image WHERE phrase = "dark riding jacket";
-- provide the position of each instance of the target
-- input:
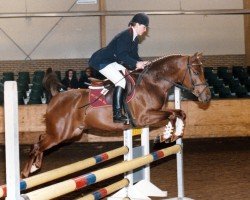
(122, 49)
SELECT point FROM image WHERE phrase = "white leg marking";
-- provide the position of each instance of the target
(168, 131)
(179, 126)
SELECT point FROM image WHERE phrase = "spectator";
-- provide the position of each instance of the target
(70, 81)
(84, 80)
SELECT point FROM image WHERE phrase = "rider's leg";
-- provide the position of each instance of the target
(118, 96)
(112, 72)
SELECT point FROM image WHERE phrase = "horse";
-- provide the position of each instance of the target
(67, 115)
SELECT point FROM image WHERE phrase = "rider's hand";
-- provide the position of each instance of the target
(141, 64)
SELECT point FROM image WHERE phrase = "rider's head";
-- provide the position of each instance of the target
(140, 22)
(140, 18)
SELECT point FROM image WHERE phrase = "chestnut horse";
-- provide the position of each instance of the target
(67, 117)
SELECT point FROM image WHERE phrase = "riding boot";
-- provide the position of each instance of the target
(118, 117)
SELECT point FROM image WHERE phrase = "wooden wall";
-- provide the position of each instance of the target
(222, 118)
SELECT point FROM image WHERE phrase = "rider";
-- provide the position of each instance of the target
(119, 54)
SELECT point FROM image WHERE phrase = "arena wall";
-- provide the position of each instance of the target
(221, 118)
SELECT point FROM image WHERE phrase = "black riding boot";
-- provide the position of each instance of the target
(118, 117)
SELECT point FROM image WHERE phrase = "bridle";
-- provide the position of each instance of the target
(188, 70)
(180, 85)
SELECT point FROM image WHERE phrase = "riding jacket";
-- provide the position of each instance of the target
(122, 49)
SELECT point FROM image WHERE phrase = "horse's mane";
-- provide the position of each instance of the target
(159, 59)
(154, 62)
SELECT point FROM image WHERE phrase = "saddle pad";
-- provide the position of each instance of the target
(97, 99)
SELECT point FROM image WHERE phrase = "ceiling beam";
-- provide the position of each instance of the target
(102, 8)
(125, 13)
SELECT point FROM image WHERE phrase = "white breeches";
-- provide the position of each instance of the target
(112, 72)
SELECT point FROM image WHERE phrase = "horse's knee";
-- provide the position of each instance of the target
(177, 113)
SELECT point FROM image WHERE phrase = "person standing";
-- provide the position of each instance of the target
(120, 54)
(70, 80)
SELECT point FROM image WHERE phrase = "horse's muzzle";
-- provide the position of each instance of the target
(205, 96)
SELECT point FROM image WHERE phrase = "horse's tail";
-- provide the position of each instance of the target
(51, 84)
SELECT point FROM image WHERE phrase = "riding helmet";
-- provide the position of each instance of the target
(140, 18)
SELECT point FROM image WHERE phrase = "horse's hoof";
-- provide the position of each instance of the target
(157, 140)
(179, 127)
(24, 175)
(33, 168)
(167, 141)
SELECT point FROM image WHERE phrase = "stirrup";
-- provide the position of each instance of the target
(121, 119)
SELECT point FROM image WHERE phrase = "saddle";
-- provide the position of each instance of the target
(101, 92)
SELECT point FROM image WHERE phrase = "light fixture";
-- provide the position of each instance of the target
(86, 1)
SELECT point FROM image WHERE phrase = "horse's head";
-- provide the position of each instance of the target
(193, 78)
(182, 71)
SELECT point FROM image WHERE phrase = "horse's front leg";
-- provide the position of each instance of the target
(174, 128)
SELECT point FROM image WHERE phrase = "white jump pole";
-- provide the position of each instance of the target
(11, 141)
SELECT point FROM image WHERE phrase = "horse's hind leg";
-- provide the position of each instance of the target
(46, 142)
(36, 155)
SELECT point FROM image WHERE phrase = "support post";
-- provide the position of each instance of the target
(139, 186)
(179, 155)
(11, 141)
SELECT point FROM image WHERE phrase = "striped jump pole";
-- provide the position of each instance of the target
(66, 170)
(101, 193)
(71, 185)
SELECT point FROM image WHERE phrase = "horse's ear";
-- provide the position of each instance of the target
(199, 55)
(196, 56)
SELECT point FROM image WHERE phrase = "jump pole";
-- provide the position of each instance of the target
(103, 192)
(66, 170)
(11, 140)
(71, 185)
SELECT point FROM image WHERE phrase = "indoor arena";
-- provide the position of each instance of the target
(115, 99)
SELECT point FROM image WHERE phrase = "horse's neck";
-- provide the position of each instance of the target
(164, 79)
